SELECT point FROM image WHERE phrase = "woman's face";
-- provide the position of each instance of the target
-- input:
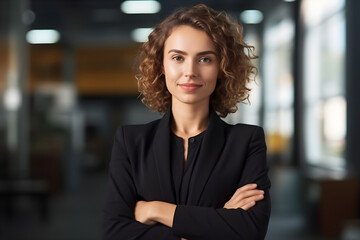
(190, 65)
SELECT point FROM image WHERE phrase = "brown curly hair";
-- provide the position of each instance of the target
(235, 59)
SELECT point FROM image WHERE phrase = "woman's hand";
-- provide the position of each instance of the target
(153, 212)
(143, 213)
(245, 197)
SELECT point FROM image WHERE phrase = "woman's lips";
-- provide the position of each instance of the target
(189, 87)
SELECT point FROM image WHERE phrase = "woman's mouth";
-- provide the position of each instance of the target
(189, 87)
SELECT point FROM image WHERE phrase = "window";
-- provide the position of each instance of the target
(324, 82)
(279, 85)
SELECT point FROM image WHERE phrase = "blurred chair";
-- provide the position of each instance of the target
(336, 202)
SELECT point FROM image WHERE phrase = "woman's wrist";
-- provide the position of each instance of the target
(155, 211)
(162, 212)
(143, 212)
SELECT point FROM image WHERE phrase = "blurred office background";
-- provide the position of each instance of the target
(66, 82)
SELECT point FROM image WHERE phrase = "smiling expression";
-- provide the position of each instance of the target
(190, 65)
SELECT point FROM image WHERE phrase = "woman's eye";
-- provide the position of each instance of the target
(177, 58)
(205, 59)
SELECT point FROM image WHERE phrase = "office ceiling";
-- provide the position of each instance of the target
(102, 22)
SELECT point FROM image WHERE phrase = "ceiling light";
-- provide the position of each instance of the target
(251, 16)
(141, 34)
(140, 7)
(42, 36)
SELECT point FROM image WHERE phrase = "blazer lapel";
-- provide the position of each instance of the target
(162, 158)
(210, 151)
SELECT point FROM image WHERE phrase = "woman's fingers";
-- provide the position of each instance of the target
(248, 194)
(248, 205)
(244, 204)
(243, 189)
(245, 197)
(246, 191)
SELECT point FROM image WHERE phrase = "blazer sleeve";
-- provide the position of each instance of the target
(118, 213)
(194, 222)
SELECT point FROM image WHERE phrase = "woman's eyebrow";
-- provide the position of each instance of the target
(199, 53)
(207, 52)
(176, 51)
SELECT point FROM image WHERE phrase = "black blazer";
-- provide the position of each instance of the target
(230, 157)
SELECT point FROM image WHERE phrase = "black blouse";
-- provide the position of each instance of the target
(182, 171)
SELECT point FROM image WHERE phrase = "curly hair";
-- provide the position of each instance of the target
(235, 56)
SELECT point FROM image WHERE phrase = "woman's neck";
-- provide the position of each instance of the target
(189, 120)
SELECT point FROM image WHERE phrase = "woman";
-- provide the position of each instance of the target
(190, 175)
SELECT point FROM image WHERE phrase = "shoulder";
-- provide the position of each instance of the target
(137, 130)
(131, 138)
(245, 134)
(250, 136)
(244, 129)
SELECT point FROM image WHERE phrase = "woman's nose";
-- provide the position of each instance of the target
(190, 69)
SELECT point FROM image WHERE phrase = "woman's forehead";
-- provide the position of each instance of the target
(190, 38)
